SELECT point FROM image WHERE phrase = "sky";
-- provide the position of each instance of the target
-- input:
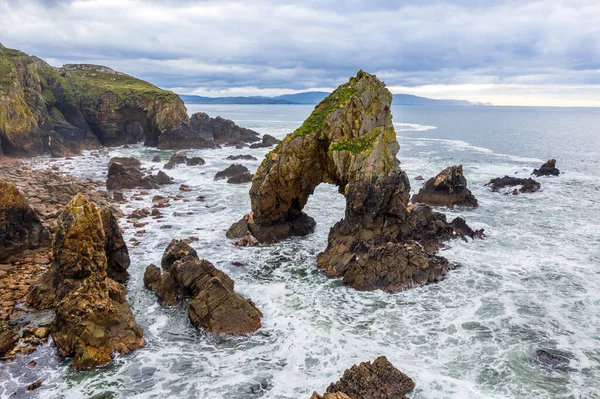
(506, 52)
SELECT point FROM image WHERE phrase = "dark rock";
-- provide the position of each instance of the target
(448, 188)
(553, 359)
(547, 169)
(245, 177)
(195, 161)
(127, 173)
(214, 305)
(267, 141)
(177, 158)
(163, 178)
(377, 380)
(241, 157)
(20, 227)
(139, 214)
(419, 178)
(156, 158)
(118, 196)
(93, 319)
(527, 185)
(8, 339)
(116, 250)
(231, 171)
(221, 130)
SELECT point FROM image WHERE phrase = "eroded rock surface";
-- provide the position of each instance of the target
(20, 227)
(527, 185)
(93, 319)
(547, 169)
(349, 140)
(377, 380)
(214, 305)
(448, 188)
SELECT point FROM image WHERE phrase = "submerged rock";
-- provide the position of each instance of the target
(377, 380)
(241, 157)
(349, 140)
(93, 319)
(547, 169)
(20, 227)
(214, 305)
(527, 185)
(448, 188)
(552, 359)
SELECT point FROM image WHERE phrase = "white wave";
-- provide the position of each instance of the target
(412, 127)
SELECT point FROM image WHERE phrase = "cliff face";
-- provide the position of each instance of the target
(64, 110)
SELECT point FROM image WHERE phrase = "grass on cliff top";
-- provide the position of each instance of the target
(86, 83)
(337, 99)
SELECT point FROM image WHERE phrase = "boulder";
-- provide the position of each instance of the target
(8, 339)
(20, 227)
(448, 188)
(245, 177)
(377, 380)
(241, 157)
(214, 305)
(163, 178)
(527, 185)
(230, 171)
(267, 141)
(547, 169)
(93, 319)
(177, 158)
(195, 161)
(349, 140)
(156, 159)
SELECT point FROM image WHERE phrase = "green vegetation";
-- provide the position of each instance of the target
(6, 69)
(353, 146)
(84, 83)
(338, 99)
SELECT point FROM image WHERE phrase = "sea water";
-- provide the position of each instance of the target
(532, 284)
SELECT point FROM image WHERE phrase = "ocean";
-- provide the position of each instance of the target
(532, 284)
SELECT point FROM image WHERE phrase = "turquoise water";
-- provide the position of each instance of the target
(532, 284)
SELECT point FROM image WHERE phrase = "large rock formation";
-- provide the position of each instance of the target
(349, 140)
(63, 110)
(377, 380)
(20, 227)
(93, 319)
(520, 185)
(547, 169)
(214, 305)
(448, 188)
(126, 172)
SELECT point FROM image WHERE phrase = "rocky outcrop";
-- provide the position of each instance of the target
(128, 173)
(180, 158)
(235, 174)
(527, 185)
(115, 248)
(377, 380)
(64, 110)
(547, 169)
(448, 188)
(267, 141)
(20, 227)
(241, 157)
(93, 319)
(214, 305)
(202, 132)
(349, 140)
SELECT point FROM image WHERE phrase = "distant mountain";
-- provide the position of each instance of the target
(315, 97)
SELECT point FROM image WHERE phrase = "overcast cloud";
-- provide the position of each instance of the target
(501, 51)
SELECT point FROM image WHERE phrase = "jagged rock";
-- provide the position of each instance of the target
(8, 339)
(20, 227)
(448, 188)
(527, 185)
(349, 140)
(245, 177)
(195, 161)
(547, 169)
(93, 319)
(116, 250)
(124, 173)
(230, 171)
(177, 158)
(377, 380)
(163, 178)
(267, 141)
(214, 305)
(241, 157)
(64, 110)
(221, 130)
